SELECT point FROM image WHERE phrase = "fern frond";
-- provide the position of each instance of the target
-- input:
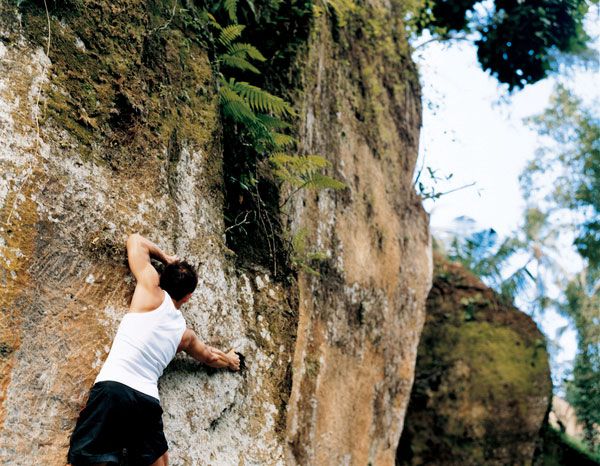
(211, 20)
(281, 159)
(272, 122)
(235, 106)
(230, 33)
(239, 63)
(281, 140)
(230, 7)
(302, 171)
(245, 50)
(262, 101)
(320, 181)
(314, 162)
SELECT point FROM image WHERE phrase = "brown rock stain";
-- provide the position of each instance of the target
(344, 381)
(18, 234)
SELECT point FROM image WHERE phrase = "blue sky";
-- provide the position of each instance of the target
(473, 130)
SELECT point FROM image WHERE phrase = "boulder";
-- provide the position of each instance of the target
(482, 386)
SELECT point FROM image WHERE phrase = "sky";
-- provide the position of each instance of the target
(474, 131)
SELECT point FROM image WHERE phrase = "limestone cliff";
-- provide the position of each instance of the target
(109, 125)
(482, 385)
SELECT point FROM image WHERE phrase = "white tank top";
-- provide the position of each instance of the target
(145, 343)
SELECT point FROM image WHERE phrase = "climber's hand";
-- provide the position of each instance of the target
(234, 361)
(170, 259)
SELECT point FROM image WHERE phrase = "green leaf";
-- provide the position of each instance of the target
(235, 106)
(283, 140)
(230, 8)
(272, 122)
(230, 33)
(239, 63)
(244, 50)
(262, 101)
(320, 181)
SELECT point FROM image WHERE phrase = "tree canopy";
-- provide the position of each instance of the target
(570, 151)
(519, 42)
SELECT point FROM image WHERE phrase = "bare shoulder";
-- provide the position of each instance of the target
(146, 299)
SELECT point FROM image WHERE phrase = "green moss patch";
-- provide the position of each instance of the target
(125, 75)
(482, 381)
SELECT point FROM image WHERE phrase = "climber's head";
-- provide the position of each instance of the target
(179, 279)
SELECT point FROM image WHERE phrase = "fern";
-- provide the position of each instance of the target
(319, 181)
(244, 50)
(262, 101)
(235, 106)
(302, 171)
(230, 33)
(272, 123)
(281, 140)
(230, 7)
(239, 63)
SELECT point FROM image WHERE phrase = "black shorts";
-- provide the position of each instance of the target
(117, 417)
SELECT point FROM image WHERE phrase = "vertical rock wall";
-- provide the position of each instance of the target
(66, 208)
(361, 317)
(116, 130)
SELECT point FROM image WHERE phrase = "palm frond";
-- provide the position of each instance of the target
(230, 33)
(519, 281)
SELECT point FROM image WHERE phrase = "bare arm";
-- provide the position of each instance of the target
(147, 295)
(206, 354)
(139, 251)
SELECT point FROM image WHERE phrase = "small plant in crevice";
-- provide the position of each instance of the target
(301, 257)
(259, 152)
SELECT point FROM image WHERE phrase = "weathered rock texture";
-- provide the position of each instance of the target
(116, 130)
(482, 384)
(562, 417)
(361, 318)
(66, 208)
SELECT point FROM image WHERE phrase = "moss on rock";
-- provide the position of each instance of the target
(482, 383)
(125, 76)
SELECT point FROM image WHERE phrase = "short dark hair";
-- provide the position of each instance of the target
(178, 279)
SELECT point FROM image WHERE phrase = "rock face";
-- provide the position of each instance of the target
(116, 129)
(482, 384)
(361, 318)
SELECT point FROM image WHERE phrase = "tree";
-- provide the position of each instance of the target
(571, 151)
(582, 305)
(512, 265)
(518, 41)
(487, 256)
(566, 172)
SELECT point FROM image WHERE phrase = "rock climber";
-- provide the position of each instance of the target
(123, 409)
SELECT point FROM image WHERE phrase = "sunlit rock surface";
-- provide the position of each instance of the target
(361, 317)
(65, 216)
(482, 385)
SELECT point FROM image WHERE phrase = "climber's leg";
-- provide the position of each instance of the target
(162, 461)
